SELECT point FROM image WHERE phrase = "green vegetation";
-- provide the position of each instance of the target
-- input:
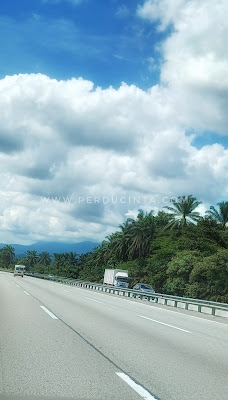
(7, 256)
(183, 211)
(178, 252)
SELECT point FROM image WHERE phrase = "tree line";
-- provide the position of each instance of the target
(177, 251)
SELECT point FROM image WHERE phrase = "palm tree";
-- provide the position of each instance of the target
(162, 219)
(124, 227)
(9, 250)
(44, 258)
(221, 216)
(71, 258)
(142, 232)
(32, 257)
(103, 253)
(183, 211)
(118, 245)
(57, 258)
(7, 255)
(59, 263)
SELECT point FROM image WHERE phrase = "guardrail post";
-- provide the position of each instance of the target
(175, 303)
(165, 302)
(199, 307)
(213, 310)
(186, 306)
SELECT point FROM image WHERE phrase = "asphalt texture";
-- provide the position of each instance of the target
(60, 342)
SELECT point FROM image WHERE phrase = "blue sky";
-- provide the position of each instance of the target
(103, 99)
(103, 41)
(209, 138)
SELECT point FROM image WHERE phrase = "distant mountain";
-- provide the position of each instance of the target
(54, 247)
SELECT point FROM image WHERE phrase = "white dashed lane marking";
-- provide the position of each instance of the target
(163, 323)
(49, 312)
(137, 388)
(96, 301)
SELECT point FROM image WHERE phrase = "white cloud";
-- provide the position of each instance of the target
(112, 151)
(195, 58)
(165, 11)
(107, 150)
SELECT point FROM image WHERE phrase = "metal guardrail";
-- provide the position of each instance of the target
(202, 306)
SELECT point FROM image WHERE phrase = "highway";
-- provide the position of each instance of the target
(64, 342)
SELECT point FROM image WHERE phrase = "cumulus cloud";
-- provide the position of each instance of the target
(77, 159)
(88, 155)
(195, 58)
(164, 11)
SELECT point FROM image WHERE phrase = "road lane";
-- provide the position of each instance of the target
(42, 356)
(186, 320)
(171, 364)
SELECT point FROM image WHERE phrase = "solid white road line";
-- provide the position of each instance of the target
(137, 388)
(96, 301)
(26, 293)
(163, 323)
(49, 312)
(17, 285)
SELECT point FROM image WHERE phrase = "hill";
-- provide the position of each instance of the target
(54, 247)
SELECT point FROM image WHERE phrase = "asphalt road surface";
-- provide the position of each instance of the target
(59, 341)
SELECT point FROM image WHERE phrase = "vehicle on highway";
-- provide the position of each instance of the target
(116, 277)
(19, 270)
(51, 276)
(143, 288)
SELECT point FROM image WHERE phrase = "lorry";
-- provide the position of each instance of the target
(19, 270)
(116, 277)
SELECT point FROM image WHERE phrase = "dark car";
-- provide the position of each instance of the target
(143, 288)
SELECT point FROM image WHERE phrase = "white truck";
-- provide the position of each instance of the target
(116, 277)
(19, 270)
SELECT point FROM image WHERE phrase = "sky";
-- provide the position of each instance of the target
(107, 107)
